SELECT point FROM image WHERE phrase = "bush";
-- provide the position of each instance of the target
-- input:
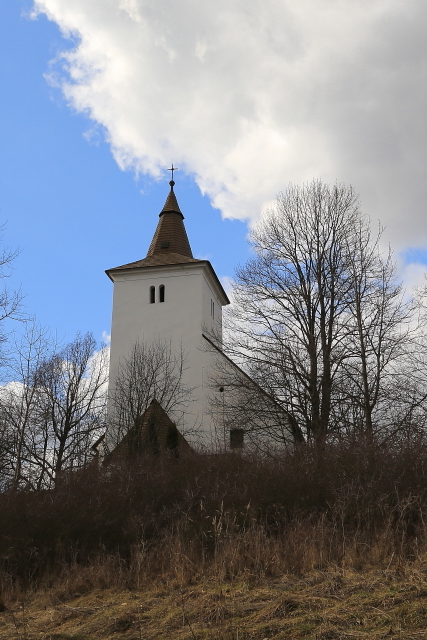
(229, 514)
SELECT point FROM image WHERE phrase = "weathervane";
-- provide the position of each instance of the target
(172, 169)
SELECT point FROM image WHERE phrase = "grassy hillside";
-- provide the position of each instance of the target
(309, 545)
(325, 605)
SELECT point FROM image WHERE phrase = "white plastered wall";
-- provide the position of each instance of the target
(192, 298)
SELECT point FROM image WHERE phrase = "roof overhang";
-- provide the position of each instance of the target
(180, 266)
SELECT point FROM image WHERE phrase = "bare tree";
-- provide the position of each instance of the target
(18, 400)
(6, 460)
(239, 404)
(10, 301)
(70, 399)
(383, 328)
(318, 318)
(407, 396)
(150, 372)
(10, 309)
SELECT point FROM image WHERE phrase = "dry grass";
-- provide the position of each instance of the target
(222, 547)
(323, 605)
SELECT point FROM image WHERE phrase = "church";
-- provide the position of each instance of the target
(169, 295)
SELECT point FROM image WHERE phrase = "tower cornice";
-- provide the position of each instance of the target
(117, 273)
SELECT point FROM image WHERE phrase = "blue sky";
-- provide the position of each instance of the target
(99, 98)
(67, 206)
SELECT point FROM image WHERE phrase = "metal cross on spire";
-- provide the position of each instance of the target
(172, 169)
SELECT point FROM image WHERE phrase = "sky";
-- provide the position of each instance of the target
(98, 98)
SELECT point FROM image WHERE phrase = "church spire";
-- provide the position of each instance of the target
(171, 203)
(170, 235)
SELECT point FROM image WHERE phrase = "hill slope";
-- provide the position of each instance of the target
(322, 606)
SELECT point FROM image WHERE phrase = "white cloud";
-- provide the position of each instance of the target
(413, 276)
(248, 95)
(11, 389)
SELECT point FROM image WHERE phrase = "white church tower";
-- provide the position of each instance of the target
(171, 296)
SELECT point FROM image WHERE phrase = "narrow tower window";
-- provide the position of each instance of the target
(162, 293)
(152, 295)
(237, 438)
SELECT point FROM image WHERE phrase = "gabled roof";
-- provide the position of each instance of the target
(153, 433)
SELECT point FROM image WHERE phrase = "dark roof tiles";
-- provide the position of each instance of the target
(157, 260)
(171, 203)
(170, 236)
(153, 433)
(170, 243)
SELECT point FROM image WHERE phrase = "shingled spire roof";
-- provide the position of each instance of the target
(170, 235)
(169, 245)
(171, 203)
(170, 242)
